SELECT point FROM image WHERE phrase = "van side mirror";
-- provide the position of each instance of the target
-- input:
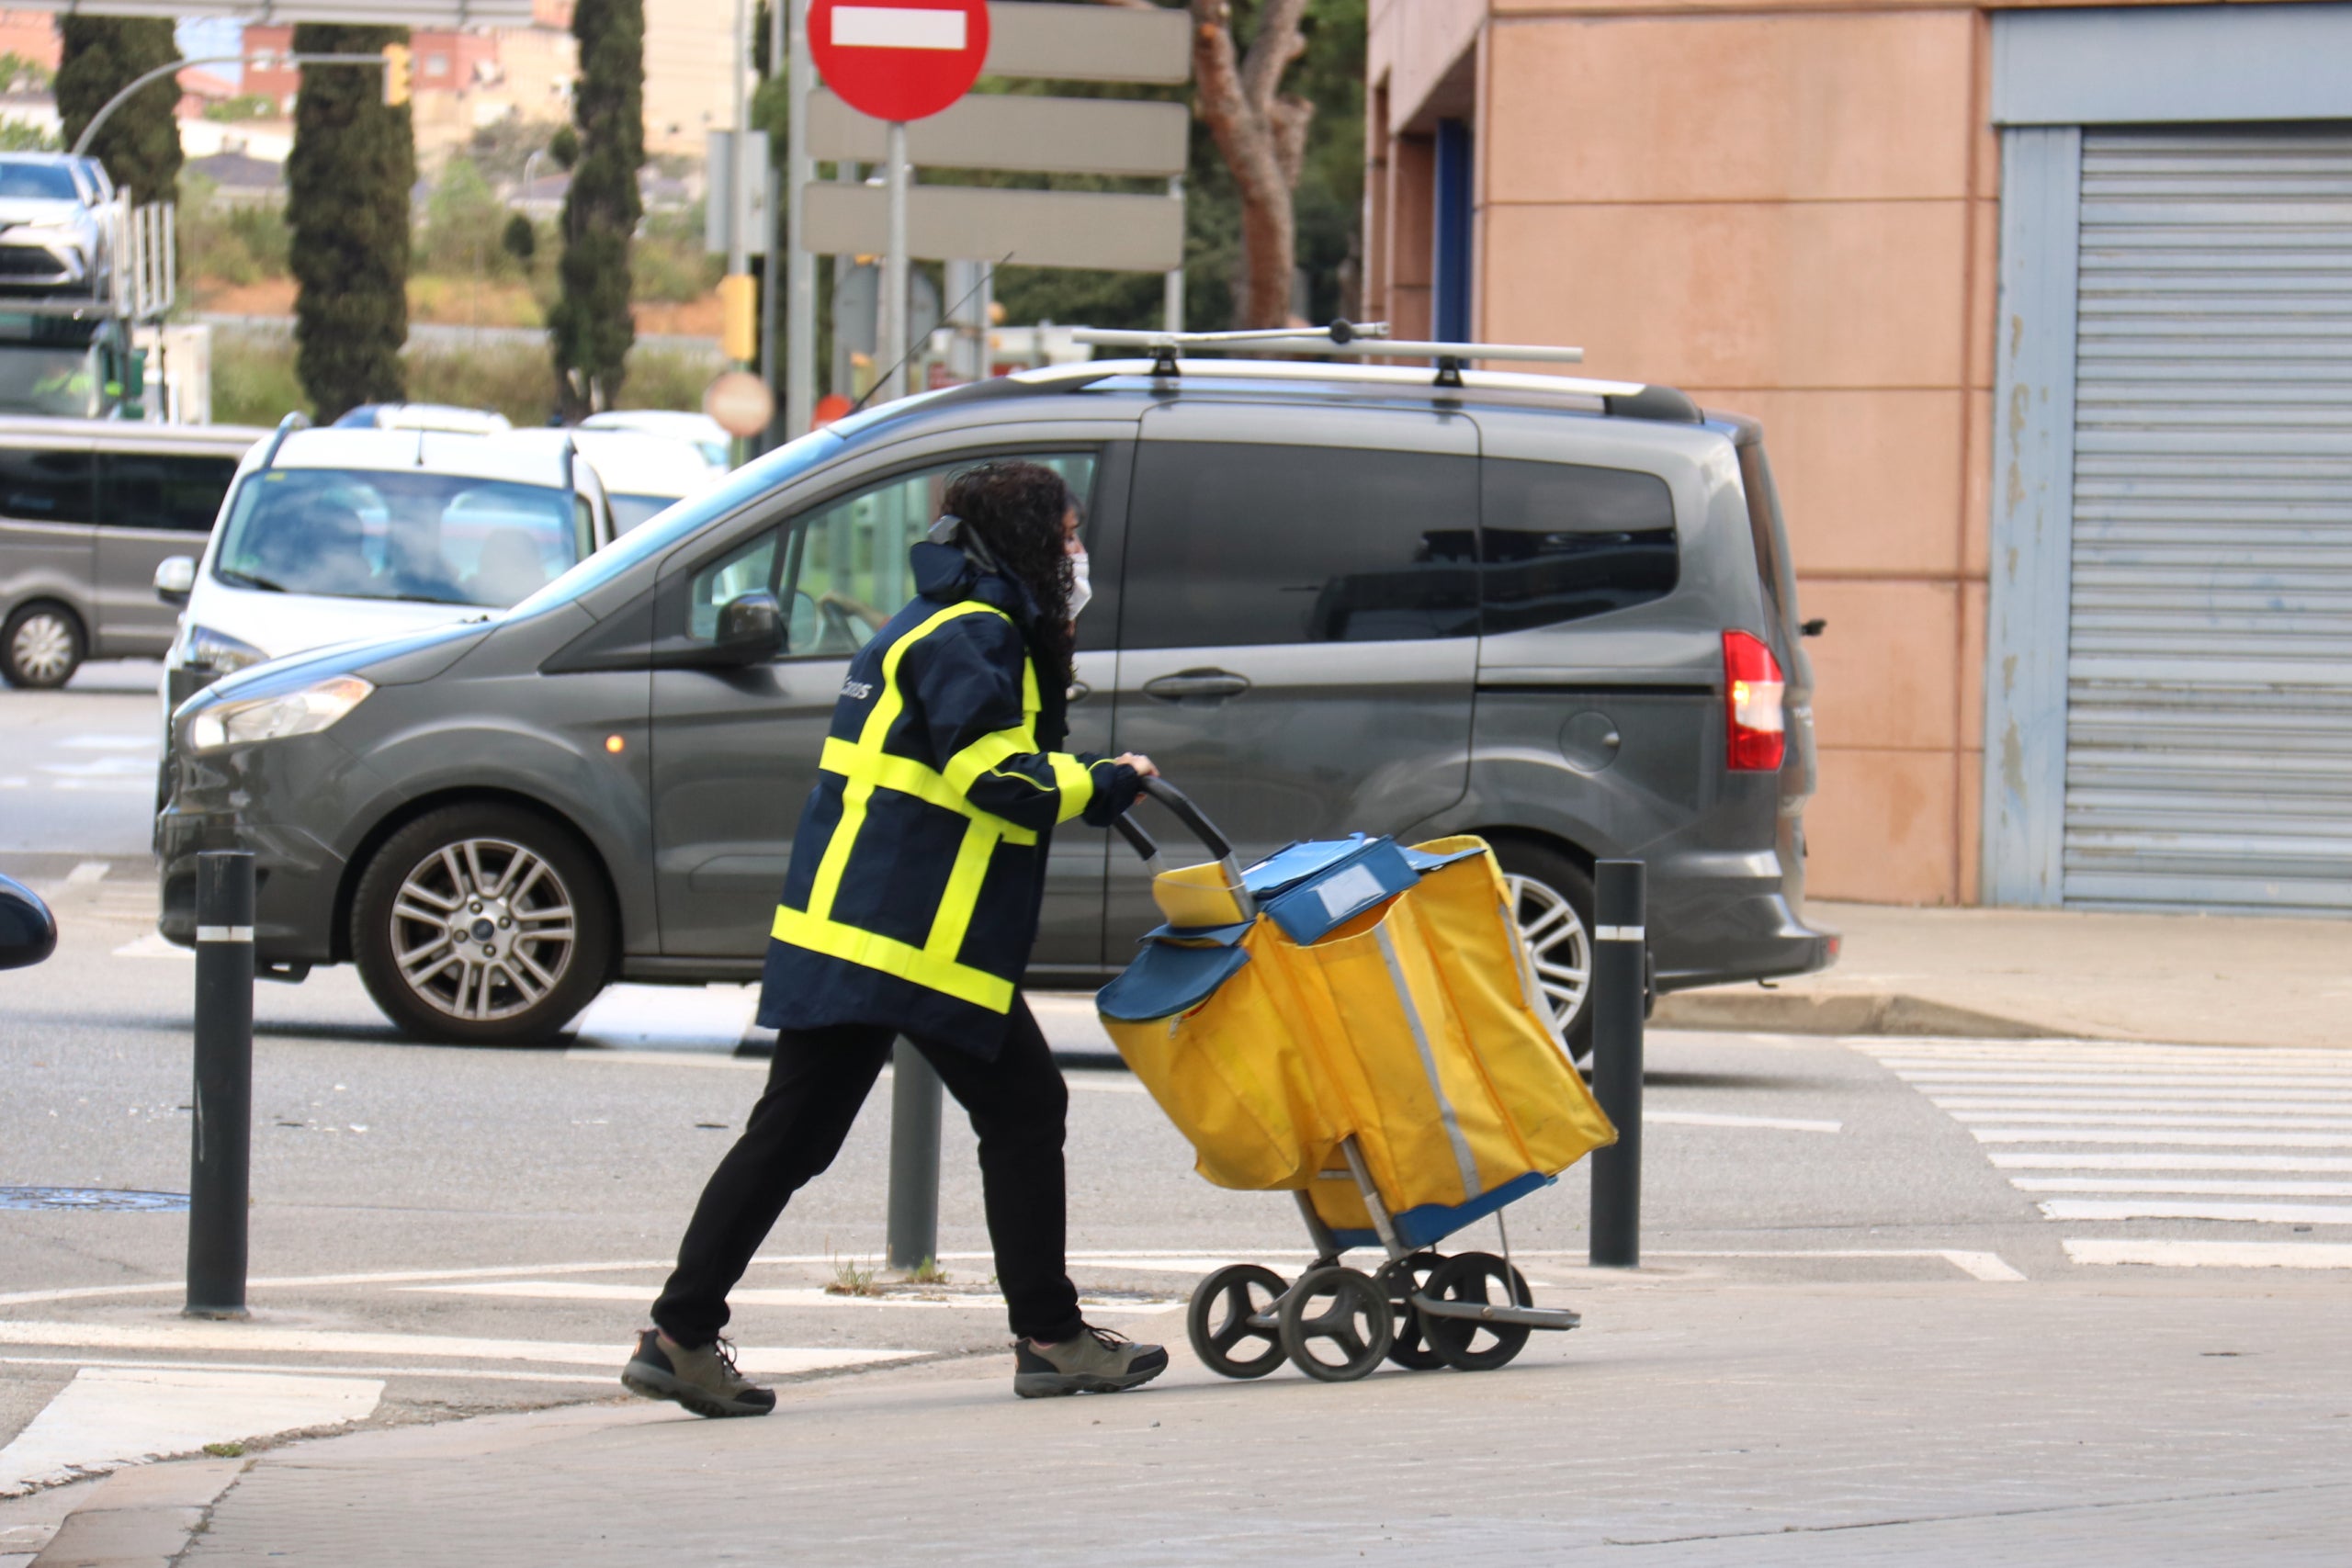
(27, 930)
(174, 579)
(750, 629)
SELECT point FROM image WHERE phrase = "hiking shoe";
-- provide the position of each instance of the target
(1097, 1361)
(703, 1381)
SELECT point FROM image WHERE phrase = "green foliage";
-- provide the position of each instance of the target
(465, 226)
(139, 143)
(253, 378)
(520, 241)
(244, 106)
(670, 262)
(564, 147)
(591, 326)
(19, 74)
(348, 190)
(227, 241)
(18, 137)
(503, 148)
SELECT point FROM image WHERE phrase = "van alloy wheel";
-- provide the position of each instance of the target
(43, 648)
(482, 929)
(1558, 942)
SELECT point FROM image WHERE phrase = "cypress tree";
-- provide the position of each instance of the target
(348, 205)
(590, 327)
(139, 143)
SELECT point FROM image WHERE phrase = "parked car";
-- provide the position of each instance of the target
(332, 536)
(644, 475)
(54, 225)
(1556, 613)
(88, 509)
(709, 437)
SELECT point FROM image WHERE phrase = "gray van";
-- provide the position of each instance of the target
(88, 510)
(1327, 598)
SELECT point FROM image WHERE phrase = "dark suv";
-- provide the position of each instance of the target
(1556, 613)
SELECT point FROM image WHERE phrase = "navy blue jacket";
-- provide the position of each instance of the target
(919, 862)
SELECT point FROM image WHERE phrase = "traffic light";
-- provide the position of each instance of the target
(397, 74)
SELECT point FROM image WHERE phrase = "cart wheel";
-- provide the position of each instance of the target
(1478, 1277)
(1400, 1277)
(1343, 1309)
(1218, 1320)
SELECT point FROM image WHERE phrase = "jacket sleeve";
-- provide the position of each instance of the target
(967, 679)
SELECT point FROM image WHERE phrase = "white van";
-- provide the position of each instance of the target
(643, 474)
(344, 536)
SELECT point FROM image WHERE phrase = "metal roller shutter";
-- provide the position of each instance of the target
(2209, 725)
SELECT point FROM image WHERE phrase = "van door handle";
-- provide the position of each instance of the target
(1080, 690)
(1196, 683)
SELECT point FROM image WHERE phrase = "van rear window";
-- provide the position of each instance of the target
(1563, 541)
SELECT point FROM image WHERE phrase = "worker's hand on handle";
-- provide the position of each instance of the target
(1144, 766)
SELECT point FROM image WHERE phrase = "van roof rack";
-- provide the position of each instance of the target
(1362, 340)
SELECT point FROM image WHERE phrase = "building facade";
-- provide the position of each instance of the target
(2048, 314)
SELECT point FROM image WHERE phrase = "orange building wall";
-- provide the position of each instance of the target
(1792, 215)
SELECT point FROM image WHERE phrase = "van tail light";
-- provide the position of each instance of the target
(1752, 685)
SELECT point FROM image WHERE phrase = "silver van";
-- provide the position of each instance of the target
(88, 508)
(1327, 598)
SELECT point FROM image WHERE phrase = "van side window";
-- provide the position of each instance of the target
(40, 484)
(161, 490)
(1233, 545)
(1562, 541)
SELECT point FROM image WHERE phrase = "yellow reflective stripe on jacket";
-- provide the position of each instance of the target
(1075, 781)
(827, 885)
(983, 755)
(907, 776)
(872, 951)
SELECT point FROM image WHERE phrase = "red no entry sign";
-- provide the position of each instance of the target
(898, 59)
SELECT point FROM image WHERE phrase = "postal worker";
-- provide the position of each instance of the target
(910, 909)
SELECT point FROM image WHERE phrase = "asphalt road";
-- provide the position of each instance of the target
(456, 1231)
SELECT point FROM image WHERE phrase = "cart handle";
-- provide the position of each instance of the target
(1194, 820)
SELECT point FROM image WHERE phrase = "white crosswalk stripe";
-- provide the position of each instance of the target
(2235, 1144)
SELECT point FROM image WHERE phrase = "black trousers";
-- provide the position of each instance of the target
(1018, 1104)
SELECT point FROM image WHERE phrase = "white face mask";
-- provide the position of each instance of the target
(1081, 590)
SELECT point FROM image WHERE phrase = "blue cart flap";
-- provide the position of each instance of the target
(1166, 979)
(1293, 863)
(1374, 870)
(1425, 862)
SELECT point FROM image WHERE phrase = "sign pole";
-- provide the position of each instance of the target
(892, 349)
(800, 261)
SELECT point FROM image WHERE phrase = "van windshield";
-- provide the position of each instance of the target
(426, 537)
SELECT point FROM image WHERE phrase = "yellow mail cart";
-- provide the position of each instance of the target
(1357, 1023)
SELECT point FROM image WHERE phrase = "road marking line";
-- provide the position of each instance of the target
(663, 1058)
(1945, 1083)
(2163, 1254)
(2088, 1054)
(308, 1369)
(149, 744)
(1989, 1267)
(88, 871)
(742, 1296)
(2322, 1105)
(187, 1336)
(1713, 1119)
(2310, 1164)
(2163, 1209)
(2183, 1186)
(110, 1416)
(2313, 1123)
(2160, 1135)
(154, 944)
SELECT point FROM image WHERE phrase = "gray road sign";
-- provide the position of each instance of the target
(1066, 136)
(1089, 43)
(1037, 228)
(856, 301)
(718, 187)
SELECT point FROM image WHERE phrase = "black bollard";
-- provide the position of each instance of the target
(914, 1157)
(224, 1084)
(1619, 950)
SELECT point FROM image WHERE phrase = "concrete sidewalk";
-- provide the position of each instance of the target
(1695, 1422)
(2189, 979)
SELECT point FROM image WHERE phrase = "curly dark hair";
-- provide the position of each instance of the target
(1015, 510)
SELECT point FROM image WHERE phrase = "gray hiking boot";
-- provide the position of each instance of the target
(703, 1381)
(1097, 1361)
